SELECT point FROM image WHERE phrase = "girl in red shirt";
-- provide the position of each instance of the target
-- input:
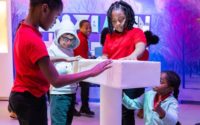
(124, 42)
(34, 70)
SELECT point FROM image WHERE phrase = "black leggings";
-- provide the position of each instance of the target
(85, 86)
(30, 110)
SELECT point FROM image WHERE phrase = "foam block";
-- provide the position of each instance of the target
(124, 73)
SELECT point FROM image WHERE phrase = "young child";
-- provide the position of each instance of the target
(160, 105)
(83, 51)
(62, 100)
(34, 70)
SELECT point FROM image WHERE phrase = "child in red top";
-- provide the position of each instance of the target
(83, 34)
(34, 70)
(83, 51)
(124, 42)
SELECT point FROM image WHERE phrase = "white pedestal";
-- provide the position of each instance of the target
(123, 74)
(110, 106)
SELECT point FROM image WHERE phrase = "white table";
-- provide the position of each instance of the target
(123, 74)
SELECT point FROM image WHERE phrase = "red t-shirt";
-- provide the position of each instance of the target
(28, 49)
(82, 49)
(118, 45)
(145, 56)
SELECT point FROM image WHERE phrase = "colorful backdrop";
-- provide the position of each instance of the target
(176, 22)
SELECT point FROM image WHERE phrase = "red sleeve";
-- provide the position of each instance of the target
(145, 56)
(37, 50)
(139, 35)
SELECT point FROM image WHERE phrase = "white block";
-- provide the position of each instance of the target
(124, 73)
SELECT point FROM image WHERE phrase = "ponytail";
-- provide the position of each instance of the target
(151, 38)
(176, 93)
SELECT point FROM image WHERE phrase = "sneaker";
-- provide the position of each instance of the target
(76, 113)
(87, 112)
(13, 115)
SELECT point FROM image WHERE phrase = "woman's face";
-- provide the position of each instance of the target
(163, 88)
(118, 20)
(67, 40)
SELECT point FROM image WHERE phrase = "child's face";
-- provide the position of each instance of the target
(163, 88)
(48, 17)
(86, 28)
(67, 40)
(118, 20)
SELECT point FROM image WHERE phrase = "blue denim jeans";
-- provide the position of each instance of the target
(61, 109)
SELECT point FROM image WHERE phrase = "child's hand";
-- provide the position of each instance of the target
(140, 113)
(103, 57)
(72, 59)
(99, 68)
(159, 109)
(78, 57)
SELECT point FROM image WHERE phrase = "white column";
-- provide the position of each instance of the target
(110, 106)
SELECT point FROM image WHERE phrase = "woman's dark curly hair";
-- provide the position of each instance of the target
(128, 11)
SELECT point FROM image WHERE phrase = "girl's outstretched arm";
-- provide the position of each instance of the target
(50, 73)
